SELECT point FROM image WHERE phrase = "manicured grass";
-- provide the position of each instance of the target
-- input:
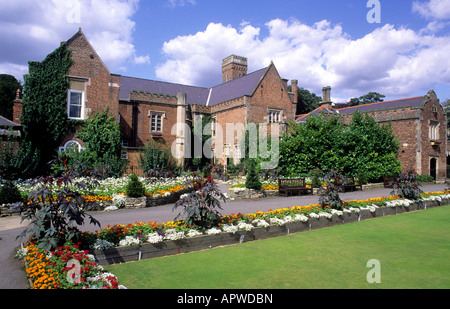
(413, 250)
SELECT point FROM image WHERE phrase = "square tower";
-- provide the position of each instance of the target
(233, 67)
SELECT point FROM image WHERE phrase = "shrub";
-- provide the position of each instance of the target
(316, 174)
(407, 186)
(329, 195)
(55, 211)
(252, 181)
(9, 193)
(135, 188)
(200, 206)
(424, 178)
(156, 157)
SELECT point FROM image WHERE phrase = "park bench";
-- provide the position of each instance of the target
(389, 181)
(292, 185)
(348, 182)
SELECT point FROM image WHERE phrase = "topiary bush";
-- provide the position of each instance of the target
(252, 181)
(135, 188)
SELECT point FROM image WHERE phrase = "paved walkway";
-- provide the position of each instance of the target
(12, 274)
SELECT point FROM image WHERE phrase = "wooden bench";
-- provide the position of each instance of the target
(348, 183)
(389, 181)
(292, 185)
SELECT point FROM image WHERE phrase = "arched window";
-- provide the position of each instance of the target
(71, 145)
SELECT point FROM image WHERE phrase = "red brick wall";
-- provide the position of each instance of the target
(102, 87)
(271, 93)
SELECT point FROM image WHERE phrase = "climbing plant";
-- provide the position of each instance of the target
(44, 115)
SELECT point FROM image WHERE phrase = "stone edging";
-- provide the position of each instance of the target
(190, 244)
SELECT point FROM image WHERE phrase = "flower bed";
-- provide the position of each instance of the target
(122, 243)
(67, 267)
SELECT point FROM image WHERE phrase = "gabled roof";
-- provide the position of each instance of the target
(243, 86)
(414, 102)
(236, 88)
(7, 123)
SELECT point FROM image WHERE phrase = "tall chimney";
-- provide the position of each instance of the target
(326, 97)
(294, 86)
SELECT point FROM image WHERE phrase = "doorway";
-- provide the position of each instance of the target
(433, 165)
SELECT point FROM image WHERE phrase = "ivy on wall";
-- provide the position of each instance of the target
(44, 115)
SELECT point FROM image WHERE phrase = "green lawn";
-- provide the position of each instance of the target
(413, 250)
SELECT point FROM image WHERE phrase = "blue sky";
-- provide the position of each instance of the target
(319, 43)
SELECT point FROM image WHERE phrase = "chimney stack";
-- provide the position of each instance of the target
(326, 97)
(294, 90)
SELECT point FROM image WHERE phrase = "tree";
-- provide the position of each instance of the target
(371, 97)
(8, 88)
(307, 101)
(326, 143)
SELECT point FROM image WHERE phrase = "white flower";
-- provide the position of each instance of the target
(337, 212)
(230, 228)
(260, 223)
(238, 189)
(314, 215)
(371, 208)
(277, 221)
(193, 233)
(301, 218)
(244, 226)
(175, 235)
(183, 196)
(118, 200)
(325, 215)
(213, 231)
(288, 219)
(404, 202)
(355, 209)
(154, 238)
(129, 241)
(111, 208)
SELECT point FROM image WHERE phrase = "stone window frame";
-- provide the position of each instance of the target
(160, 115)
(82, 107)
(433, 130)
(274, 111)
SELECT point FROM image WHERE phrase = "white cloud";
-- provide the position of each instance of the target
(389, 60)
(433, 9)
(35, 28)
(176, 3)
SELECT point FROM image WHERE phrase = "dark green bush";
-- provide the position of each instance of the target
(424, 178)
(9, 193)
(252, 181)
(135, 188)
(157, 157)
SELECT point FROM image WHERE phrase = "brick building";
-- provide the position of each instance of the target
(420, 124)
(167, 112)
